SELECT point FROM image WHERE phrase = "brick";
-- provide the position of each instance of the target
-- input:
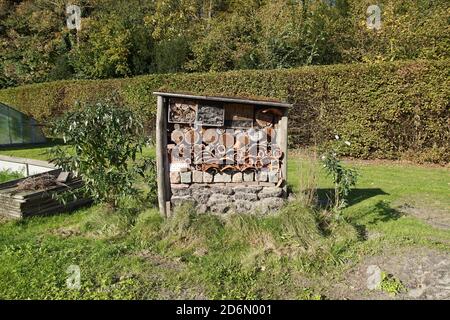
(208, 177)
(186, 177)
(237, 177)
(197, 176)
(175, 177)
(249, 176)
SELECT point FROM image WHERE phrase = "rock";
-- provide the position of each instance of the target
(208, 177)
(176, 201)
(248, 189)
(245, 196)
(243, 206)
(186, 177)
(374, 277)
(269, 205)
(175, 177)
(249, 176)
(201, 197)
(197, 176)
(181, 192)
(270, 192)
(220, 208)
(237, 177)
(218, 199)
(222, 190)
(202, 208)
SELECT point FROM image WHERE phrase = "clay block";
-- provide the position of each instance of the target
(222, 177)
(186, 177)
(273, 176)
(237, 177)
(208, 177)
(249, 176)
(262, 176)
(175, 177)
(197, 177)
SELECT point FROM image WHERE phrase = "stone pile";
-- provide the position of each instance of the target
(223, 199)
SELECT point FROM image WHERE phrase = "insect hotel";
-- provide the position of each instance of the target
(223, 155)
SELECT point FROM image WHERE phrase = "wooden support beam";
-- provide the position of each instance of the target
(284, 144)
(161, 156)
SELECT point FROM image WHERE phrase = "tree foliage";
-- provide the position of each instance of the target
(134, 37)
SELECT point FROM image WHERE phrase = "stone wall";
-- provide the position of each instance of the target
(230, 198)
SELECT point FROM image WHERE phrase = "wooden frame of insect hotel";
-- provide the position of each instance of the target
(221, 154)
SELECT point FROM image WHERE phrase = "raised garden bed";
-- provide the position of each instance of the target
(34, 195)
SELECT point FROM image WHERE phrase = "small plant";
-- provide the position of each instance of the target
(344, 179)
(309, 294)
(391, 285)
(105, 141)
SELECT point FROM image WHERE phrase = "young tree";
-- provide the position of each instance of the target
(104, 141)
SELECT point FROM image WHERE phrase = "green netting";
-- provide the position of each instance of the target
(17, 128)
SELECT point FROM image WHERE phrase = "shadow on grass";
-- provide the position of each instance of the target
(325, 196)
(379, 212)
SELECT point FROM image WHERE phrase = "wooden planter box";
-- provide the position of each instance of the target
(23, 204)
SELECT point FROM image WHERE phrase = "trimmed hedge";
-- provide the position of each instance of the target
(387, 110)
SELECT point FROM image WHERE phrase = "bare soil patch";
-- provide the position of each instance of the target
(424, 272)
(435, 216)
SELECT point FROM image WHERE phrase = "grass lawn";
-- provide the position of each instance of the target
(297, 254)
(6, 175)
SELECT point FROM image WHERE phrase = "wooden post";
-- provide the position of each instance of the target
(284, 143)
(161, 156)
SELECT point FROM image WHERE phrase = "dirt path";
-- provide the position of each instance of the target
(424, 272)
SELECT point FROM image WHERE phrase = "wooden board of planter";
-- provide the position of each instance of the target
(222, 154)
(17, 203)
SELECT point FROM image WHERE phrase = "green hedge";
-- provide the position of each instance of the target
(387, 110)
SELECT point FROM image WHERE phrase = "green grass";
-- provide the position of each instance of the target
(40, 151)
(7, 175)
(296, 254)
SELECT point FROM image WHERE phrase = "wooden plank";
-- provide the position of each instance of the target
(224, 99)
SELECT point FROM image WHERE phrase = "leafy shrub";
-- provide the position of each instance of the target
(106, 140)
(390, 110)
(344, 179)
